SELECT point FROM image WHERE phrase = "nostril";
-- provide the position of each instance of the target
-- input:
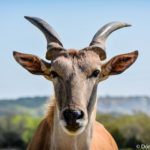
(66, 115)
(72, 115)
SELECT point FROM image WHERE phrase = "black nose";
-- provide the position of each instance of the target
(71, 116)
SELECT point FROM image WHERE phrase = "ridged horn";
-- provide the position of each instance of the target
(53, 40)
(99, 39)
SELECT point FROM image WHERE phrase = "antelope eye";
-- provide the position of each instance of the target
(54, 74)
(95, 73)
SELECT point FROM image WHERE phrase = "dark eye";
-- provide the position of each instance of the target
(54, 74)
(95, 73)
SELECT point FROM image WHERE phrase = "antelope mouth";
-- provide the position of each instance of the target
(73, 128)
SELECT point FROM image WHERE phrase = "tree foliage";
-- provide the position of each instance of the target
(128, 130)
(17, 131)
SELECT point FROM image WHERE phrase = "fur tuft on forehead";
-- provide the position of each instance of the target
(73, 52)
(81, 53)
(78, 54)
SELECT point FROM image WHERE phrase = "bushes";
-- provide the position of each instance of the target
(11, 139)
(127, 130)
(16, 131)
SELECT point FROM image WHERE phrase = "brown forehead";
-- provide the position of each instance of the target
(83, 59)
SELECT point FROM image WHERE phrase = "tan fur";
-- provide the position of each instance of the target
(41, 138)
(102, 140)
(50, 113)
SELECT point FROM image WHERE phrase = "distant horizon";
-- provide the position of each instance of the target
(103, 96)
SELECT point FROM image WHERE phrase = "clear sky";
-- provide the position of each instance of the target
(76, 22)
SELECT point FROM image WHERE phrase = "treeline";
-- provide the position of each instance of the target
(128, 131)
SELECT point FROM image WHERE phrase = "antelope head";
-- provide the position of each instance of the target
(75, 74)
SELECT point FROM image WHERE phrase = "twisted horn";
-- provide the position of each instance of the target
(53, 40)
(99, 39)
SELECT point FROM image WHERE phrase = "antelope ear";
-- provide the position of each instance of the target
(32, 63)
(119, 64)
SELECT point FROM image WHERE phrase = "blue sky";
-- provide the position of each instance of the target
(76, 22)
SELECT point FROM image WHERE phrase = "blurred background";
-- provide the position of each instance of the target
(124, 100)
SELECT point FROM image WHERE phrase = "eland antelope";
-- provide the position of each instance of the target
(70, 121)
